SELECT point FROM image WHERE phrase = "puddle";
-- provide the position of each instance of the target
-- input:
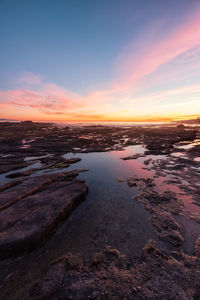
(179, 154)
(7, 155)
(109, 214)
(4, 179)
(29, 158)
(26, 143)
(188, 144)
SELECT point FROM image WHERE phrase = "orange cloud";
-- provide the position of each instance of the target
(51, 98)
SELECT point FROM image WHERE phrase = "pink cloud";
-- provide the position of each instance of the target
(30, 78)
(186, 90)
(51, 98)
(135, 66)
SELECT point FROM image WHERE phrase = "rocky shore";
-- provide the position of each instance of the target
(39, 191)
(110, 275)
(31, 210)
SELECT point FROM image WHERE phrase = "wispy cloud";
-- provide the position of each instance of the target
(51, 97)
(135, 66)
(183, 91)
(29, 78)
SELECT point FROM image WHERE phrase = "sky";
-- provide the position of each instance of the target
(92, 60)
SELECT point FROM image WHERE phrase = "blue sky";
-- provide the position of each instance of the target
(86, 47)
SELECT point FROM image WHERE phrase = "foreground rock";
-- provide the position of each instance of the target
(32, 210)
(162, 207)
(112, 276)
(134, 156)
(19, 189)
(9, 164)
(167, 228)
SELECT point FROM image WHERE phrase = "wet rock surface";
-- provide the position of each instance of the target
(9, 164)
(44, 138)
(38, 193)
(31, 211)
(135, 156)
(110, 275)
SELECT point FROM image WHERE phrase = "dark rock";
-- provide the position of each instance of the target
(73, 160)
(135, 156)
(32, 217)
(30, 186)
(180, 126)
(167, 227)
(10, 184)
(146, 162)
(111, 275)
(197, 247)
(20, 174)
(6, 167)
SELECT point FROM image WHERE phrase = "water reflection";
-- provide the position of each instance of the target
(109, 214)
(109, 202)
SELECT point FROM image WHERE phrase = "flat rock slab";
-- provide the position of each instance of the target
(29, 186)
(36, 208)
(5, 167)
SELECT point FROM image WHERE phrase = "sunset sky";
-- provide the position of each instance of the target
(91, 60)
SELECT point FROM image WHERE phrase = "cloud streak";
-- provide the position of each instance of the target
(150, 56)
